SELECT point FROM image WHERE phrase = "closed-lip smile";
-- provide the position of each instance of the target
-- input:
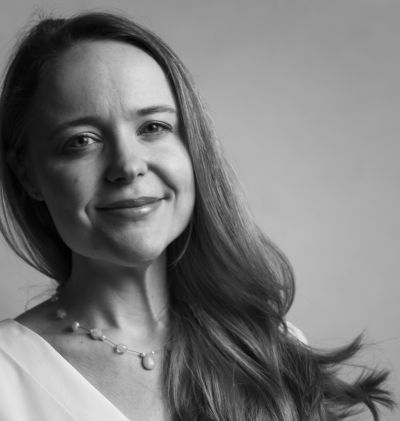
(134, 209)
(131, 203)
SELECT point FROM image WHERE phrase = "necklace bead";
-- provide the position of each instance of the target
(75, 326)
(96, 333)
(120, 349)
(61, 313)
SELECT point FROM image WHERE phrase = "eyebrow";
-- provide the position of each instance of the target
(155, 109)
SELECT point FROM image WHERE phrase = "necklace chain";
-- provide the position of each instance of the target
(147, 358)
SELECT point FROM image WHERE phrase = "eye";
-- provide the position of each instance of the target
(82, 141)
(154, 129)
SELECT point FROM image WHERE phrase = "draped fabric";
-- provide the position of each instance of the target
(38, 384)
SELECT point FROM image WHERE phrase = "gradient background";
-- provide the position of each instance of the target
(306, 99)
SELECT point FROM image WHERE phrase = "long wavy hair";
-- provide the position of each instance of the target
(231, 356)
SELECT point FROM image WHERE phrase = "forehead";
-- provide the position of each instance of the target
(95, 74)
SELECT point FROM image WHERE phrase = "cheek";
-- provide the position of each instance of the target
(185, 190)
(190, 189)
(181, 174)
(174, 168)
(65, 189)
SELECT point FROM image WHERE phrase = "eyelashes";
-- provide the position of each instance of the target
(82, 141)
(154, 129)
(150, 130)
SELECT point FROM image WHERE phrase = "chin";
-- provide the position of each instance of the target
(133, 256)
(119, 253)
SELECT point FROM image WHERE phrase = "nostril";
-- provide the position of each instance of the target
(120, 180)
(122, 173)
(125, 178)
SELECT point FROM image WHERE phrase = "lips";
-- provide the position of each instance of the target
(131, 210)
(131, 203)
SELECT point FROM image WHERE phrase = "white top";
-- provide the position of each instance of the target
(38, 384)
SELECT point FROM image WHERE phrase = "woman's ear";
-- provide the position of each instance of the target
(19, 167)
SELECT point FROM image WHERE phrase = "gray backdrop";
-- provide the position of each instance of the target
(306, 99)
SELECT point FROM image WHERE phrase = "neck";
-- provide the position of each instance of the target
(132, 300)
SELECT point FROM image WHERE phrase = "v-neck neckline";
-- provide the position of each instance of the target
(67, 369)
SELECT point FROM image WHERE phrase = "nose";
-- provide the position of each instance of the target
(126, 160)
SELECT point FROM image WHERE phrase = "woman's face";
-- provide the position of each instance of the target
(105, 153)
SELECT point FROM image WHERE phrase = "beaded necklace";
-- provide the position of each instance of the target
(148, 361)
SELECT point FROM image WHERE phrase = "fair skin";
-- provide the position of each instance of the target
(105, 138)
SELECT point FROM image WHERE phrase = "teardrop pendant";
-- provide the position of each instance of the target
(148, 361)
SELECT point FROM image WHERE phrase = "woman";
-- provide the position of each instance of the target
(170, 301)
